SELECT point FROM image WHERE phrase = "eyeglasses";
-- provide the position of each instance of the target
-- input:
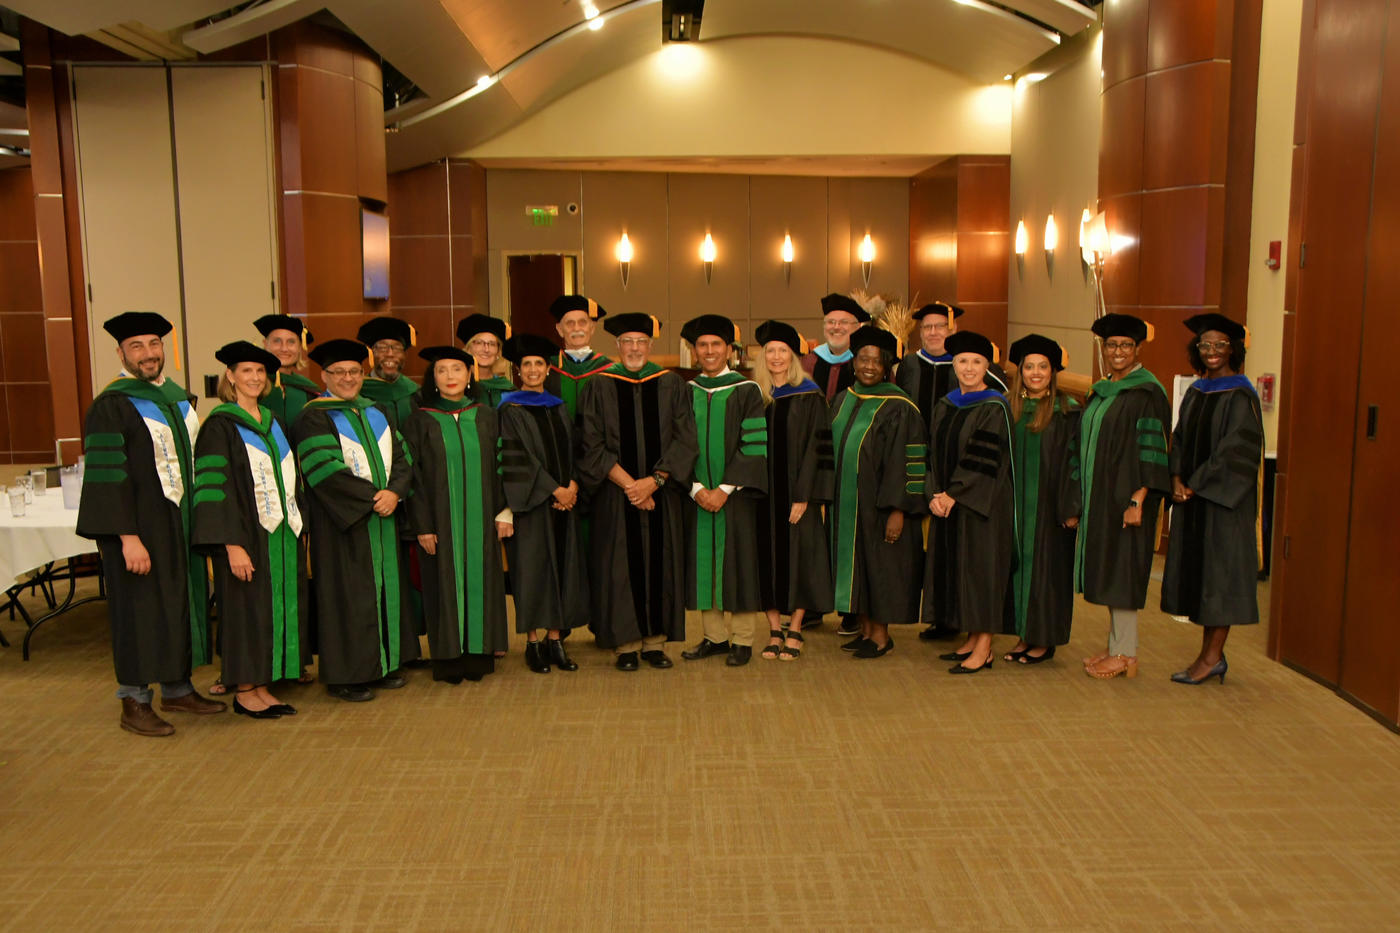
(344, 373)
(1120, 346)
(1215, 345)
(491, 342)
(388, 348)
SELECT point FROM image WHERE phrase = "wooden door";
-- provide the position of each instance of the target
(535, 281)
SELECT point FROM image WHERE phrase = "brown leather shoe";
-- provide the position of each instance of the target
(142, 720)
(192, 703)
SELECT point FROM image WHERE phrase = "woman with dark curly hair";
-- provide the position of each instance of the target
(1216, 461)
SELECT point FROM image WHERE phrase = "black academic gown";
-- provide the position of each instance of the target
(1218, 451)
(348, 451)
(926, 379)
(967, 576)
(831, 378)
(247, 470)
(457, 496)
(159, 620)
(1122, 448)
(796, 570)
(1047, 497)
(722, 548)
(643, 421)
(879, 443)
(546, 552)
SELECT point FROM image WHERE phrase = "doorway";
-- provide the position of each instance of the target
(533, 281)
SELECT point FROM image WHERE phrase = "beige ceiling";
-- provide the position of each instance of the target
(834, 166)
(444, 46)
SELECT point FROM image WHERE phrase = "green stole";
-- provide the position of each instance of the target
(281, 553)
(1102, 395)
(572, 375)
(383, 530)
(493, 388)
(710, 397)
(462, 447)
(393, 395)
(167, 397)
(284, 400)
(855, 412)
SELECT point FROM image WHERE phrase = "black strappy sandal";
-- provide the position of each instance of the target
(1028, 658)
(771, 651)
(791, 654)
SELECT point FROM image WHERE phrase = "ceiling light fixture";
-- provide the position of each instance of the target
(485, 81)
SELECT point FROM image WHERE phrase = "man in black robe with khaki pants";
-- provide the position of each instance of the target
(137, 497)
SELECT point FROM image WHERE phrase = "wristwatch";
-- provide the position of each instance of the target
(659, 479)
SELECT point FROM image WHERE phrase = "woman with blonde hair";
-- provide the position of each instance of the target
(246, 517)
(796, 577)
(1045, 421)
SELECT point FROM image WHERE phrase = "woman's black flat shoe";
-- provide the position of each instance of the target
(954, 656)
(1028, 658)
(855, 644)
(959, 669)
(872, 650)
(284, 709)
(269, 713)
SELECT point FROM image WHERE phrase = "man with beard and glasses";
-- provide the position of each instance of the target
(389, 339)
(577, 318)
(138, 494)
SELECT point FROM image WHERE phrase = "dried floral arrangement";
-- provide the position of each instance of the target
(889, 312)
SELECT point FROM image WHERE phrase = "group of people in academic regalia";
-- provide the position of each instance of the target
(339, 523)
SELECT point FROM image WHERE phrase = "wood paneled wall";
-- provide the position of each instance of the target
(1175, 162)
(437, 249)
(26, 423)
(960, 240)
(1335, 585)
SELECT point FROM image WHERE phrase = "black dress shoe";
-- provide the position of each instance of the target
(706, 649)
(739, 655)
(627, 661)
(855, 644)
(270, 712)
(657, 659)
(350, 693)
(535, 659)
(558, 656)
(938, 633)
(391, 681)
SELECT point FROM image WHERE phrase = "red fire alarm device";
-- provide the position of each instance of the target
(1275, 255)
(1265, 386)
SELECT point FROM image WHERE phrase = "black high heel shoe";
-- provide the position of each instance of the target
(955, 656)
(1184, 677)
(557, 656)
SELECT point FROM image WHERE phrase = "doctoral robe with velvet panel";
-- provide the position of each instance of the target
(546, 555)
(347, 452)
(1122, 448)
(967, 574)
(138, 441)
(722, 548)
(247, 480)
(1047, 497)
(457, 496)
(1212, 567)
(926, 379)
(288, 396)
(567, 377)
(796, 559)
(879, 442)
(645, 422)
(397, 399)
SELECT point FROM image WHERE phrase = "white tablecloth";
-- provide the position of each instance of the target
(44, 534)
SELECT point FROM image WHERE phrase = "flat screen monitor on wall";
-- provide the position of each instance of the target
(374, 239)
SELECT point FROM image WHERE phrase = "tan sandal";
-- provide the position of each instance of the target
(1110, 667)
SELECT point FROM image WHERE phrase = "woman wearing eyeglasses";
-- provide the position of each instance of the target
(1216, 461)
(1122, 463)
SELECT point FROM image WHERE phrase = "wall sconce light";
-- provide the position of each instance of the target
(1052, 235)
(866, 252)
(788, 254)
(1084, 220)
(624, 257)
(1022, 240)
(707, 255)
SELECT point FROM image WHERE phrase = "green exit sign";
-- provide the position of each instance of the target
(542, 215)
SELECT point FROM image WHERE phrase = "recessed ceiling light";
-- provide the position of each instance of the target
(595, 23)
(589, 11)
(485, 81)
(1006, 77)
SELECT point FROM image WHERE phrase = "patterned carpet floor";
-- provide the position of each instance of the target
(823, 794)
